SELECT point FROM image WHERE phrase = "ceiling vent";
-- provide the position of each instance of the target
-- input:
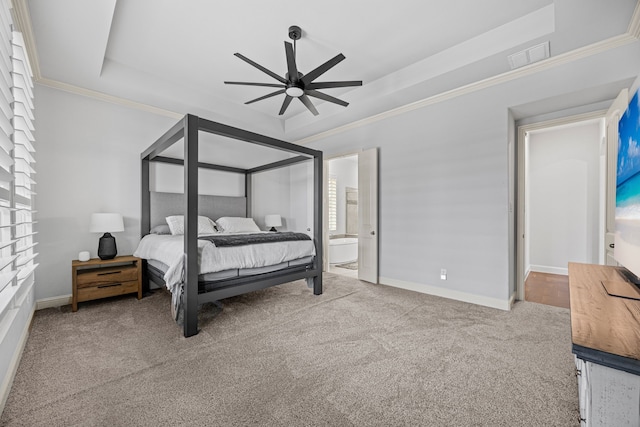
(529, 56)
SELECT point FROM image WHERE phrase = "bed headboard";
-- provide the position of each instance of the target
(166, 204)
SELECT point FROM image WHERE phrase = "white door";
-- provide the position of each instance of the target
(368, 215)
(616, 110)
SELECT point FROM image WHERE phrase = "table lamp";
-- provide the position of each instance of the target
(273, 221)
(106, 223)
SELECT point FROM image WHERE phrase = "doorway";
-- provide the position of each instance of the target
(561, 198)
(351, 215)
(342, 227)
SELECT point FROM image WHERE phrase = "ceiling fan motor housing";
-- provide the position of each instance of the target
(295, 33)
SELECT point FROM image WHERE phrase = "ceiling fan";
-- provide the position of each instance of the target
(295, 84)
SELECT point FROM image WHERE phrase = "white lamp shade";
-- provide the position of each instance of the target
(106, 223)
(272, 220)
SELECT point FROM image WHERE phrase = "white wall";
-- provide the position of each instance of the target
(271, 195)
(301, 197)
(564, 201)
(88, 160)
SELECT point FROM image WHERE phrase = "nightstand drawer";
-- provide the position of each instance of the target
(106, 275)
(107, 290)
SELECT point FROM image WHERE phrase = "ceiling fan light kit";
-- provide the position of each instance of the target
(295, 84)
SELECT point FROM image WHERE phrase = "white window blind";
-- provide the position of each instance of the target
(17, 157)
(24, 160)
(333, 202)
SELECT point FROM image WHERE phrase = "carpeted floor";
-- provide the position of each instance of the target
(349, 265)
(358, 355)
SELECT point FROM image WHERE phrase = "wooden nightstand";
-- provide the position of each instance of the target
(96, 278)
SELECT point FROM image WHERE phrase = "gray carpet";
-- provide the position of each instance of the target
(349, 265)
(358, 355)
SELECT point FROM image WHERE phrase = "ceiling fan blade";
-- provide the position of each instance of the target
(291, 62)
(278, 92)
(314, 74)
(285, 104)
(307, 103)
(261, 68)
(326, 97)
(255, 84)
(327, 85)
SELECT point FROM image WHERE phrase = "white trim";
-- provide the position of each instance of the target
(108, 98)
(550, 270)
(5, 388)
(512, 300)
(634, 25)
(53, 302)
(22, 20)
(447, 293)
(523, 271)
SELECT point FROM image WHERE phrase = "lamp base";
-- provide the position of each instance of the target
(107, 247)
(273, 229)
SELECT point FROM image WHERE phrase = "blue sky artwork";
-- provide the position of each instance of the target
(628, 148)
(628, 173)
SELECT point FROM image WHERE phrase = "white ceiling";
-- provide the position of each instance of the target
(175, 55)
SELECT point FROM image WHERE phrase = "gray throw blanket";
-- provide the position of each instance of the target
(249, 239)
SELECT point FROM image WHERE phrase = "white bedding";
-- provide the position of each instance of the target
(170, 251)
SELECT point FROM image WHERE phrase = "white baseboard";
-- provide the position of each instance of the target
(512, 300)
(5, 388)
(448, 293)
(550, 270)
(53, 302)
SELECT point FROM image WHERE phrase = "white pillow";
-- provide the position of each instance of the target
(176, 225)
(234, 224)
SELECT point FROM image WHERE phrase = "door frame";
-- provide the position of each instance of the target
(520, 237)
(325, 204)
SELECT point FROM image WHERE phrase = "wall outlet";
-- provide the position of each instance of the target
(443, 274)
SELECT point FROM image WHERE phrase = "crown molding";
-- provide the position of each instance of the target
(634, 25)
(574, 55)
(108, 98)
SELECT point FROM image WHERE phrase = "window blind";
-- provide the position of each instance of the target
(8, 272)
(24, 160)
(17, 157)
(333, 193)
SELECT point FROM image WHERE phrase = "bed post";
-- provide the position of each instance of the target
(190, 300)
(248, 191)
(145, 216)
(317, 221)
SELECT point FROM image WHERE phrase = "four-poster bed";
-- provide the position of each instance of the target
(198, 289)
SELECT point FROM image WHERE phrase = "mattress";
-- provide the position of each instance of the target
(166, 253)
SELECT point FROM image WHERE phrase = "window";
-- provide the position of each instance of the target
(17, 243)
(332, 203)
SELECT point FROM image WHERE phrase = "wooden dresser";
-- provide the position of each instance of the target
(605, 334)
(96, 278)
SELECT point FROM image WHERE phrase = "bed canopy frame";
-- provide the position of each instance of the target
(188, 129)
